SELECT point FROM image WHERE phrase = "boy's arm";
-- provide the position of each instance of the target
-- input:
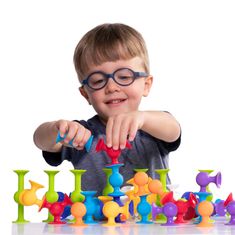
(161, 125)
(45, 135)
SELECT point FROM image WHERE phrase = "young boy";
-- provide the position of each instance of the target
(112, 64)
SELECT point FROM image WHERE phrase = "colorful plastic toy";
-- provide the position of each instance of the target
(230, 207)
(141, 179)
(163, 175)
(202, 195)
(203, 179)
(134, 200)
(76, 195)
(87, 145)
(78, 210)
(169, 210)
(67, 209)
(231, 210)
(28, 197)
(20, 174)
(51, 194)
(144, 209)
(90, 206)
(220, 209)
(181, 204)
(56, 208)
(94, 209)
(112, 154)
(156, 188)
(210, 197)
(108, 187)
(111, 210)
(205, 210)
(116, 180)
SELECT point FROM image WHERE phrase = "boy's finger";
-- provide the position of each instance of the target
(72, 131)
(109, 129)
(79, 136)
(133, 131)
(86, 137)
(116, 133)
(123, 134)
(62, 127)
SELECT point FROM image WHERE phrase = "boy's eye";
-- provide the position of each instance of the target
(125, 77)
(97, 81)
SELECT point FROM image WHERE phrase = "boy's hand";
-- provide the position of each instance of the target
(123, 127)
(74, 131)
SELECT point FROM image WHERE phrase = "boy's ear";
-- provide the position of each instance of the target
(148, 85)
(84, 93)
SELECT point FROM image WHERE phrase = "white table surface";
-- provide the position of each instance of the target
(130, 228)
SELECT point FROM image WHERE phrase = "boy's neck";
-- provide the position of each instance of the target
(103, 121)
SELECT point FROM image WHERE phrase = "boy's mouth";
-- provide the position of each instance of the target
(115, 101)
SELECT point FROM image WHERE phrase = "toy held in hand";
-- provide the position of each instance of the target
(87, 145)
(112, 154)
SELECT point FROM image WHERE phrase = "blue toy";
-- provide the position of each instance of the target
(87, 145)
(144, 209)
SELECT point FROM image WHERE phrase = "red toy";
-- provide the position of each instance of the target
(56, 208)
(182, 206)
(113, 154)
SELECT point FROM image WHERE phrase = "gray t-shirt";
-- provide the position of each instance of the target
(146, 152)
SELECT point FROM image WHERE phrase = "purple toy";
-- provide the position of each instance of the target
(203, 179)
(231, 210)
(220, 209)
(169, 210)
(230, 207)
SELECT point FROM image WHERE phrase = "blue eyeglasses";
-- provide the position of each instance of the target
(123, 77)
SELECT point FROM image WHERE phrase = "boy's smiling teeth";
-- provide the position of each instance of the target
(116, 101)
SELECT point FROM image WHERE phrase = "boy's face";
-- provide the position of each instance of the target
(114, 99)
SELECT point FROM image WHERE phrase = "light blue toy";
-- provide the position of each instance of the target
(87, 145)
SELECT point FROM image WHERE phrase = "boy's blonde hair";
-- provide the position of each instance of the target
(109, 42)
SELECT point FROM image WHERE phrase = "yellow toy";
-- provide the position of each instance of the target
(111, 210)
(28, 196)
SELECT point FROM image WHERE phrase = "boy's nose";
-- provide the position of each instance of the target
(111, 86)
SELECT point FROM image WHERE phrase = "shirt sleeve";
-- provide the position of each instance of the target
(53, 159)
(172, 146)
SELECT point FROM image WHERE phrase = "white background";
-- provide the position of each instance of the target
(192, 54)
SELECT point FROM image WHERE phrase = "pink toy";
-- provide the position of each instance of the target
(112, 154)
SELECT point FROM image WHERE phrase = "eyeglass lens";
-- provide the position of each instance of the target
(123, 77)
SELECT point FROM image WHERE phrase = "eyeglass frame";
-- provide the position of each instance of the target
(111, 75)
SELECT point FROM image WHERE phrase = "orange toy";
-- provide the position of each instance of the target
(141, 179)
(78, 210)
(205, 209)
(155, 187)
